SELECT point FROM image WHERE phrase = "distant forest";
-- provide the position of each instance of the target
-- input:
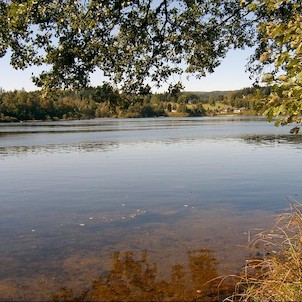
(106, 102)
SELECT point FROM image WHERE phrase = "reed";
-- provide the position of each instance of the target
(274, 273)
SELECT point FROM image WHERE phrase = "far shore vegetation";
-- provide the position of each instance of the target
(106, 102)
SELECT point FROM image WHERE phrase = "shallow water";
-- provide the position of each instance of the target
(74, 192)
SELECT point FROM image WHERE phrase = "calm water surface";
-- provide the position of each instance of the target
(74, 192)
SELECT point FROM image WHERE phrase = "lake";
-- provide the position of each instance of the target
(74, 194)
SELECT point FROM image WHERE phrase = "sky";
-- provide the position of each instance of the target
(230, 75)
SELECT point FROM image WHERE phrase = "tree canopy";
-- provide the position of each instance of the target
(278, 56)
(140, 42)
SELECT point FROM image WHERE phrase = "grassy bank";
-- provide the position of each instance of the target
(275, 271)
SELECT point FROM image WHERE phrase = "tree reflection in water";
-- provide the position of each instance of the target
(134, 278)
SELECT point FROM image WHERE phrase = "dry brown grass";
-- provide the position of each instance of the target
(276, 273)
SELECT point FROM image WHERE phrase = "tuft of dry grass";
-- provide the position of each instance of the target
(275, 274)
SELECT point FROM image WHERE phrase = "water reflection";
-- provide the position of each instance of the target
(132, 277)
(71, 148)
(119, 124)
(96, 135)
(263, 140)
(37, 258)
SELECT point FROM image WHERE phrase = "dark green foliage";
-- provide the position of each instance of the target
(130, 41)
(197, 111)
(105, 102)
(21, 105)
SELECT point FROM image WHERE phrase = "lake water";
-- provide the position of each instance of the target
(74, 192)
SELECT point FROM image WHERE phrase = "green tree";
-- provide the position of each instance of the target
(130, 41)
(278, 57)
(140, 42)
(107, 93)
(182, 108)
(188, 98)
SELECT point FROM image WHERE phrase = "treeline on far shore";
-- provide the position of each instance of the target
(106, 102)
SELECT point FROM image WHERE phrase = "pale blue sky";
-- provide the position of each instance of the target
(230, 75)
